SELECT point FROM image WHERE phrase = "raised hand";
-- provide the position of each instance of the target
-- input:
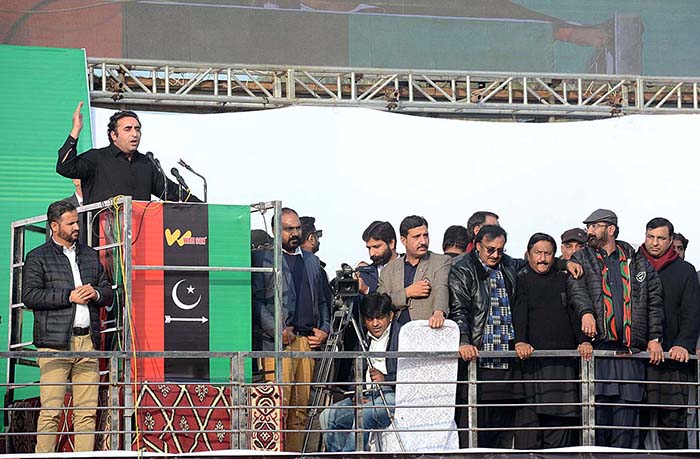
(77, 121)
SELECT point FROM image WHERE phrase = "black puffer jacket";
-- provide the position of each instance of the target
(470, 297)
(586, 295)
(47, 280)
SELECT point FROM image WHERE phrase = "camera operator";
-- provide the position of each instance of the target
(382, 335)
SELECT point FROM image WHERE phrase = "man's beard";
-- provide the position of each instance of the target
(383, 258)
(596, 243)
(68, 236)
(292, 244)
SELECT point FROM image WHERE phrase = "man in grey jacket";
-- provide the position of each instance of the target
(417, 281)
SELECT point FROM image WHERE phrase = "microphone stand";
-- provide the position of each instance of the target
(189, 168)
(154, 160)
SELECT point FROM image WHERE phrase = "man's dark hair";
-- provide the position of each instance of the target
(112, 125)
(490, 232)
(308, 226)
(539, 237)
(380, 231)
(284, 210)
(410, 222)
(658, 222)
(375, 305)
(455, 236)
(683, 239)
(478, 219)
(57, 209)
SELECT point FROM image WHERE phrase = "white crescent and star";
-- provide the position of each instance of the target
(178, 302)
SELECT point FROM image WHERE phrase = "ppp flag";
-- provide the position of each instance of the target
(190, 310)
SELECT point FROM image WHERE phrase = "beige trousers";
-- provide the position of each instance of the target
(59, 371)
(294, 370)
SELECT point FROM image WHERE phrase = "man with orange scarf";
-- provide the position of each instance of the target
(619, 301)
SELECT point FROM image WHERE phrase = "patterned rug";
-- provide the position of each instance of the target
(24, 420)
(188, 409)
(265, 420)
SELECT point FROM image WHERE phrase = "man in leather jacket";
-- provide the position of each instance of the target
(482, 284)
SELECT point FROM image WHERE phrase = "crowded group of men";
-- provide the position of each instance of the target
(600, 294)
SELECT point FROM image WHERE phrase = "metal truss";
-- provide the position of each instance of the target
(205, 87)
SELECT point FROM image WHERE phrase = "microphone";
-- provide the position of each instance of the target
(156, 163)
(178, 177)
(189, 168)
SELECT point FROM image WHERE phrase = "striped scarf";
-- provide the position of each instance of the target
(609, 323)
(498, 331)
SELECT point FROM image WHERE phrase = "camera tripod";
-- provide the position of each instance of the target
(342, 317)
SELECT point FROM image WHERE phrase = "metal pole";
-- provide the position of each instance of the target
(697, 401)
(473, 416)
(277, 265)
(585, 404)
(591, 401)
(114, 401)
(234, 384)
(129, 396)
(359, 425)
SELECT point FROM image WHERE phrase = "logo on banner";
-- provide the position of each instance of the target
(190, 301)
(181, 239)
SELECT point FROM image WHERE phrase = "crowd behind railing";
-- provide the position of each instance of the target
(601, 295)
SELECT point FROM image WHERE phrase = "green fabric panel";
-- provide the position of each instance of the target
(445, 43)
(229, 293)
(39, 90)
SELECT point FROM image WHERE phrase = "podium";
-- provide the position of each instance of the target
(183, 298)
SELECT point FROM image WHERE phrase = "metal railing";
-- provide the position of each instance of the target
(238, 407)
(120, 373)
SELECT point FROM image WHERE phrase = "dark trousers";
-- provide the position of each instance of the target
(619, 416)
(496, 417)
(552, 437)
(668, 418)
(499, 418)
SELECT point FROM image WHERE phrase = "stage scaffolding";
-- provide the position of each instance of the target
(118, 374)
(220, 87)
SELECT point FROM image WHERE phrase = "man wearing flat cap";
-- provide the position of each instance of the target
(572, 241)
(619, 301)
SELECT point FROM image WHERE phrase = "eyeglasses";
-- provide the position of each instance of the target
(596, 225)
(318, 233)
(492, 250)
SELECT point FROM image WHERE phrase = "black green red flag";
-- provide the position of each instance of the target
(190, 310)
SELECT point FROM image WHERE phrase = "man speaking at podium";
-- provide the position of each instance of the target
(118, 169)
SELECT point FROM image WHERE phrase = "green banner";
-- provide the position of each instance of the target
(39, 91)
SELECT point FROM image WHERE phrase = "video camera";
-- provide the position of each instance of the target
(345, 285)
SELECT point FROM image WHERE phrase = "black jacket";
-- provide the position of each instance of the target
(470, 297)
(586, 295)
(681, 305)
(47, 280)
(541, 313)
